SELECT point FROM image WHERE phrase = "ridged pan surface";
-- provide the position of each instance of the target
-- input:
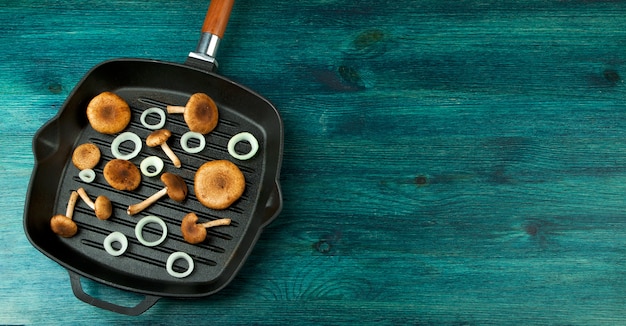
(145, 84)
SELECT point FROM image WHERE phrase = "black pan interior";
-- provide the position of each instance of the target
(144, 84)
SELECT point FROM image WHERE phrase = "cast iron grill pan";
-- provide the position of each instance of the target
(144, 84)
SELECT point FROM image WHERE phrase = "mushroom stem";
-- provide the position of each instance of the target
(168, 151)
(175, 109)
(136, 208)
(69, 212)
(220, 222)
(83, 195)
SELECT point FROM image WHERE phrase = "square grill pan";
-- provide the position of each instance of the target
(144, 84)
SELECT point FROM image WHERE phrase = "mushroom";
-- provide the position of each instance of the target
(159, 138)
(175, 188)
(122, 174)
(63, 224)
(86, 156)
(218, 184)
(200, 113)
(108, 113)
(196, 232)
(102, 206)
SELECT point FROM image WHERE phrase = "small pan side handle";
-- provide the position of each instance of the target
(141, 307)
(273, 206)
(46, 141)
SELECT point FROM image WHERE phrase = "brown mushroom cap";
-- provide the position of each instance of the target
(196, 233)
(158, 137)
(192, 232)
(218, 184)
(103, 207)
(122, 174)
(176, 186)
(86, 156)
(201, 113)
(108, 113)
(63, 226)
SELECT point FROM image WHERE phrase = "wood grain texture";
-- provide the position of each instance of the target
(446, 162)
(217, 18)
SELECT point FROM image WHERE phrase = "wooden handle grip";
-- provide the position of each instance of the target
(217, 17)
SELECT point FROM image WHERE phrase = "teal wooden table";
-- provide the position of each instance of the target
(445, 162)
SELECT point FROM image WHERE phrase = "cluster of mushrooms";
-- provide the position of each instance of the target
(63, 224)
(217, 184)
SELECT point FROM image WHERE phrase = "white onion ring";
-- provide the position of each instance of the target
(241, 137)
(158, 111)
(184, 140)
(153, 161)
(87, 175)
(174, 257)
(142, 223)
(115, 237)
(125, 136)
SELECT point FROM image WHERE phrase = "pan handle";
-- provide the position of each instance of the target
(213, 30)
(217, 17)
(141, 307)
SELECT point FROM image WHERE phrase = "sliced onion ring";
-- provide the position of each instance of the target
(115, 237)
(153, 161)
(142, 223)
(87, 175)
(125, 136)
(243, 136)
(158, 111)
(184, 140)
(174, 257)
